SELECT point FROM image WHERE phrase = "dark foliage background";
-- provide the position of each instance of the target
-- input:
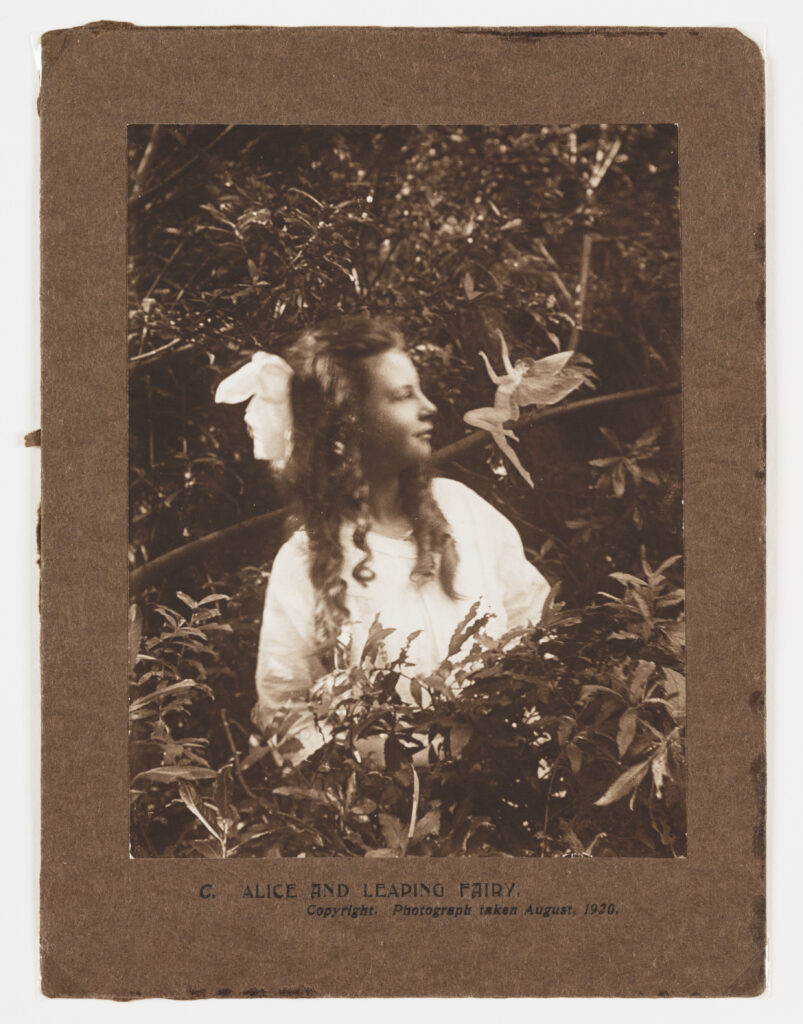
(560, 237)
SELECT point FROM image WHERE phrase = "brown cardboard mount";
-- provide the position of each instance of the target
(121, 928)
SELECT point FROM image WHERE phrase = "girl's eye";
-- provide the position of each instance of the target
(404, 393)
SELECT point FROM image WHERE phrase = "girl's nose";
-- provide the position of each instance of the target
(428, 409)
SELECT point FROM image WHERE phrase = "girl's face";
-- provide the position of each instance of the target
(397, 416)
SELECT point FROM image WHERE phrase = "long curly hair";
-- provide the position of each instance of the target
(325, 477)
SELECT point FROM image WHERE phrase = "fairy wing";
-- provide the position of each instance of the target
(549, 380)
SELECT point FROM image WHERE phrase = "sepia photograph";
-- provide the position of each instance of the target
(403, 453)
(406, 549)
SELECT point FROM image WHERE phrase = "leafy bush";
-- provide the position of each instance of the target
(240, 236)
(566, 739)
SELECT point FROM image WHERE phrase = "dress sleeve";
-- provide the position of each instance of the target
(287, 664)
(524, 590)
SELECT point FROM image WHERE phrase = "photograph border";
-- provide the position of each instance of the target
(692, 927)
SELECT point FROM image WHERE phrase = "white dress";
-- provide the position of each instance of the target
(492, 569)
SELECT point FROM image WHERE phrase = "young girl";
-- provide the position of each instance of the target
(347, 422)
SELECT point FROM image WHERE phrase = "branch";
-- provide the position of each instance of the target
(538, 416)
(144, 357)
(157, 569)
(145, 196)
(145, 164)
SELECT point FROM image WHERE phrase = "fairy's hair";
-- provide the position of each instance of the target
(325, 477)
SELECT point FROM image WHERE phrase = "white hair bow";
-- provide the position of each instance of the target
(268, 416)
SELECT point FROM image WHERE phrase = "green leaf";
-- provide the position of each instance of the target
(363, 808)
(650, 475)
(467, 626)
(134, 634)
(610, 437)
(376, 635)
(659, 770)
(627, 782)
(459, 735)
(173, 773)
(587, 691)
(642, 606)
(392, 830)
(638, 683)
(254, 755)
(575, 755)
(429, 824)
(676, 692)
(626, 731)
(626, 577)
(618, 480)
(665, 565)
(213, 597)
(301, 793)
(188, 796)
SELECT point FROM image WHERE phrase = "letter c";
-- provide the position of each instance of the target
(206, 891)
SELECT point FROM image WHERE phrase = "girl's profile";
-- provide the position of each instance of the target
(380, 540)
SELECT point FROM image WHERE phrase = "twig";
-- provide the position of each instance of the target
(235, 754)
(602, 170)
(145, 164)
(585, 265)
(151, 445)
(143, 357)
(555, 270)
(146, 840)
(170, 259)
(156, 570)
(414, 811)
(151, 192)
(552, 775)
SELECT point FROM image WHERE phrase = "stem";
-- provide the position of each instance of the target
(585, 264)
(552, 775)
(161, 273)
(146, 356)
(414, 812)
(145, 164)
(151, 446)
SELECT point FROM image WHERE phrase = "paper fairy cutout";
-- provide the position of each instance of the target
(527, 382)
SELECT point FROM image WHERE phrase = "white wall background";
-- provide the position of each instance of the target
(777, 28)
